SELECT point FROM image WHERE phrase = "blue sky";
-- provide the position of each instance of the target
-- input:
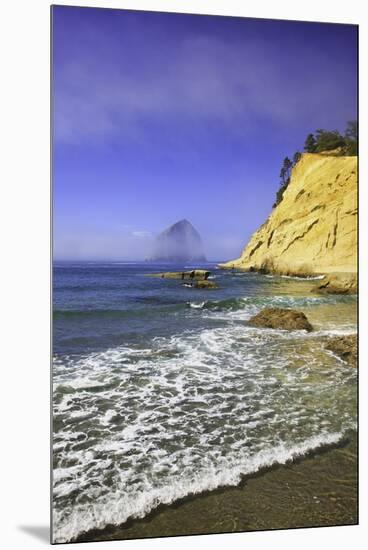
(159, 117)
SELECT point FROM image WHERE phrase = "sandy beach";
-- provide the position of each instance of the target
(316, 491)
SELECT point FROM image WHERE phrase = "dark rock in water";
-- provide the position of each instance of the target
(184, 275)
(279, 318)
(179, 243)
(201, 284)
(345, 347)
(205, 284)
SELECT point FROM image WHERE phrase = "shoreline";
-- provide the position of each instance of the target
(317, 490)
(332, 282)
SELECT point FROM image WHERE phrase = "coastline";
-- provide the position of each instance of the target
(321, 234)
(317, 490)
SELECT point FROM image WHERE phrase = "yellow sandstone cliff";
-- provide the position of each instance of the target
(314, 227)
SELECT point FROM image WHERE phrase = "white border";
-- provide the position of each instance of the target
(25, 285)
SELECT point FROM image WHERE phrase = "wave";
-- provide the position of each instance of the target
(116, 509)
(337, 331)
(226, 304)
(296, 277)
(197, 305)
(307, 278)
(233, 304)
(189, 411)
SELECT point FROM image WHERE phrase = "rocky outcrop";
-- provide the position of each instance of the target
(314, 227)
(345, 347)
(205, 284)
(279, 318)
(179, 243)
(338, 283)
(197, 278)
(193, 274)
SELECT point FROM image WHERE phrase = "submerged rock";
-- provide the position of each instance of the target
(205, 284)
(279, 318)
(338, 283)
(345, 347)
(200, 284)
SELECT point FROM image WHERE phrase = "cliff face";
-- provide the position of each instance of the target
(179, 243)
(314, 227)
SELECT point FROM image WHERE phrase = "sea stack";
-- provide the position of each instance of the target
(179, 243)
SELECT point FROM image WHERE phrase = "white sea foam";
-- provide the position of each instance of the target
(188, 413)
(197, 305)
(337, 331)
(245, 307)
(119, 507)
(296, 277)
(308, 278)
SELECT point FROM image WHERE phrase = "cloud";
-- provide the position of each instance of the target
(201, 79)
(93, 243)
(142, 234)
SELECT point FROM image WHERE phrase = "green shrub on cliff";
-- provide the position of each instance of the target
(351, 137)
(322, 140)
(310, 144)
(328, 140)
(285, 174)
(280, 193)
(296, 158)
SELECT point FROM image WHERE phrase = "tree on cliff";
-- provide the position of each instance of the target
(351, 137)
(310, 144)
(351, 131)
(296, 158)
(286, 169)
(285, 174)
(328, 140)
(280, 193)
(282, 175)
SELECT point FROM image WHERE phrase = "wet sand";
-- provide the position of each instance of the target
(318, 490)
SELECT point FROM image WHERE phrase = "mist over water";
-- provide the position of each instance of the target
(162, 391)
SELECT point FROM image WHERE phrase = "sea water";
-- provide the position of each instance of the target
(161, 391)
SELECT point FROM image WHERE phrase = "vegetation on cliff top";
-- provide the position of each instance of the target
(330, 140)
(319, 142)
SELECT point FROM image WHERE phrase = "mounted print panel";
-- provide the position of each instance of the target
(204, 274)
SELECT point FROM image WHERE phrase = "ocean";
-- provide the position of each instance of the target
(162, 391)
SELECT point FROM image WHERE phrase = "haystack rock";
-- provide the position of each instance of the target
(179, 243)
(313, 230)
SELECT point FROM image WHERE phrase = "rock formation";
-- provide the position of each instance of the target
(179, 243)
(314, 227)
(338, 283)
(280, 318)
(205, 284)
(345, 347)
(193, 274)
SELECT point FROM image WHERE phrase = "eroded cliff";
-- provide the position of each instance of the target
(314, 227)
